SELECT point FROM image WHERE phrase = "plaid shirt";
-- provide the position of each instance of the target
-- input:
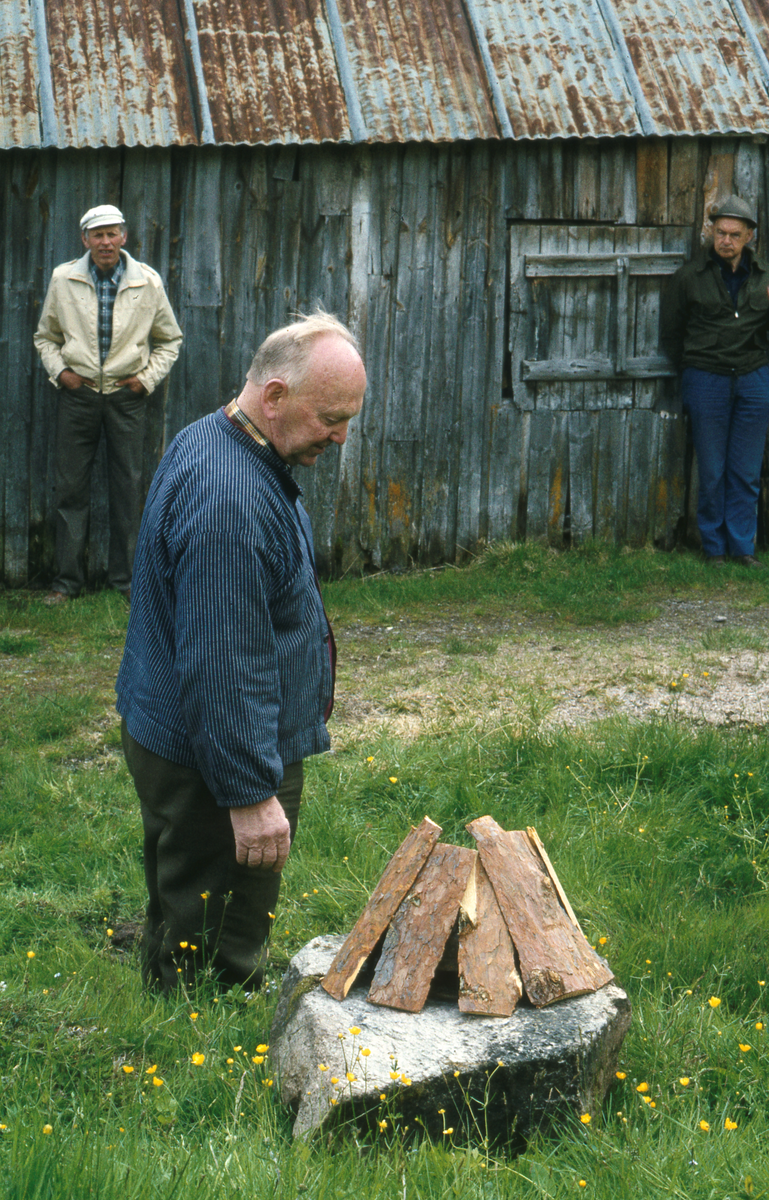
(106, 285)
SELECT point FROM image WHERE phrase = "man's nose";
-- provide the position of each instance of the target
(339, 435)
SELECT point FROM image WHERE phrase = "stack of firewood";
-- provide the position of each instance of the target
(517, 933)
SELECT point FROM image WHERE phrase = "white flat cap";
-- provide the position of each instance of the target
(103, 214)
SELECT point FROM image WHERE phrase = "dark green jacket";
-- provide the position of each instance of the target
(700, 326)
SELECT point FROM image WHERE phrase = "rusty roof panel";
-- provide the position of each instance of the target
(175, 72)
(696, 65)
(19, 123)
(417, 72)
(270, 71)
(119, 74)
(558, 69)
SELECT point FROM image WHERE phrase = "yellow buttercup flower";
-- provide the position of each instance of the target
(730, 1124)
(744, 1047)
(30, 954)
(684, 1081)
(704, 1126)
(184, 945)
(151, 1070)
(350, 1077)
(259, 1059)
(621, 1074)
(198, 1059)
(194, 1016)
(48, 1129)
(261, 1048)
(642, 1087)
(354, 1030)
(714, 1001)
(128, 1070)
(365, 1053)
(586, 1118)
(157, 1081)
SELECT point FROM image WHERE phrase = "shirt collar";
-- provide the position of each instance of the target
(115, 275)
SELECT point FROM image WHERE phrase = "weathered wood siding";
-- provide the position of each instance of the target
(413, 246)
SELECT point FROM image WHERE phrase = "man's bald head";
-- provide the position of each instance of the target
(286, 353)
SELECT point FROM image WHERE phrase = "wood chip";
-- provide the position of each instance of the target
(489, 982)
(399, 875)
(556, 960)
(420, 929)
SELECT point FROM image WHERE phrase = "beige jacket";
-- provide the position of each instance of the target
(145, 335)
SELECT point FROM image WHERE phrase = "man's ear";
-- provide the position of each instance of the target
(273, 393)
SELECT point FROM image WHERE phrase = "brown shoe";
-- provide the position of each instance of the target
(714, 560)
(749, 560)
(55, 598)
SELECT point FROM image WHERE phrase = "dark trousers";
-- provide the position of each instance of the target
(81, 415)
(205, 911)
(729, 415)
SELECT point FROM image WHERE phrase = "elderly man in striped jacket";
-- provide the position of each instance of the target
(227, 677)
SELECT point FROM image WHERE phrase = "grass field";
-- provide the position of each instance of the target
(659, 832)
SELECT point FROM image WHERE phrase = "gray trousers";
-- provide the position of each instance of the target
(204, 910)
(81, 415)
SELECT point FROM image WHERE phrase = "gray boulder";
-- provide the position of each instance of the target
(494, 1077)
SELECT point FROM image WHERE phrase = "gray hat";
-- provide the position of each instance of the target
(733, 206)
(103, 214)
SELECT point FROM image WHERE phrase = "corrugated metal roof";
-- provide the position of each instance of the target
(119, 73)
(19, 123)
(270, 71)
(416, 71)
(173, 72)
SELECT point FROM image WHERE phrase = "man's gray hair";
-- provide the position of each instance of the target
(286, 353)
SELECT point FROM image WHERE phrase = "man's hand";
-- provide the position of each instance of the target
(262, 835)
(72, 381)
(136, 385)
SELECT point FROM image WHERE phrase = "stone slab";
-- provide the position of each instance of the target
(554, 1059)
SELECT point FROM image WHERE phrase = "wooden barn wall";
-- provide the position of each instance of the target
(410, 244)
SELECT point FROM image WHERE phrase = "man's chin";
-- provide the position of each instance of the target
(308, 458)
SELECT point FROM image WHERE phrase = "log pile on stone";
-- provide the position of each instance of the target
(517, 934)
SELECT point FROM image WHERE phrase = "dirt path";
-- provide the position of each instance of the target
(702, 659)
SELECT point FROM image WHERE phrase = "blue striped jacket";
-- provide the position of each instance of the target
(226, 664)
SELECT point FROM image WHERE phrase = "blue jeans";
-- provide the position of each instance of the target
(729, 415)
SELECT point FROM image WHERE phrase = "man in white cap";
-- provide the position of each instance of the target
(715, 321)
(107, 337)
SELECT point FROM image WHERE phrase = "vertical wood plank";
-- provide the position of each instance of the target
(441, 425)
(482, 316)
(684, 181)
(582, 462)
(719, 178)
(523, 240)
(506, 482)
(652, 181)
(640, 476)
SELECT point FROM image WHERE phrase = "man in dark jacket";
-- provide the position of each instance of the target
(715, 317)
(227, 677)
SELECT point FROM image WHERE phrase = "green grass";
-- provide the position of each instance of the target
(659, 832)
(598, 584)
